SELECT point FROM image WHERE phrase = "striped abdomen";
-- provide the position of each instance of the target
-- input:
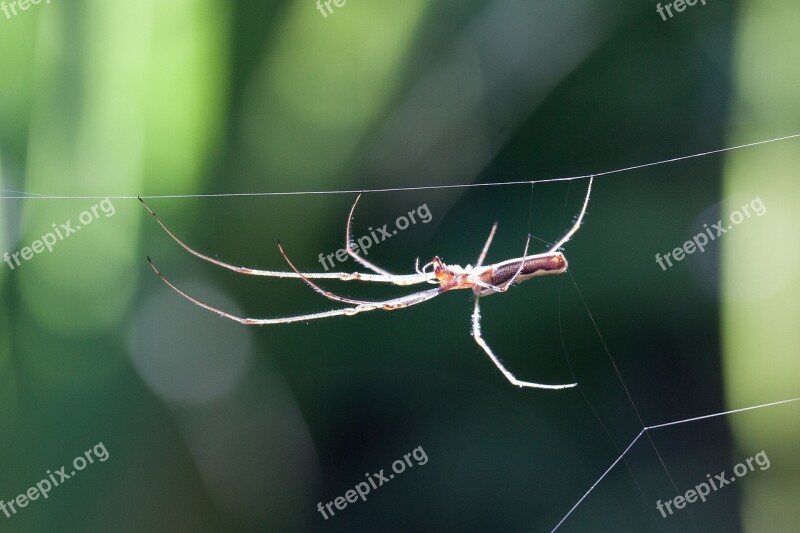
(533, 266)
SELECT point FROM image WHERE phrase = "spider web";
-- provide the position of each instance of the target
(646, 429)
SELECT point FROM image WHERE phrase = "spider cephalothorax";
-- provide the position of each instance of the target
(442, 273)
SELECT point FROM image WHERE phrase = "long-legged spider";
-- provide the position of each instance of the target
(482, 280)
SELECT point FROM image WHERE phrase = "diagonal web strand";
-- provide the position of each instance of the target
(602, 476)
(646, 429)
(589, 403)
(628, 394)
(713, 415)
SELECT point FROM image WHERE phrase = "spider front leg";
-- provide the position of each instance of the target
(476, 334)
(579, 220)
(394, 278)
(485, 249)
(503, 287)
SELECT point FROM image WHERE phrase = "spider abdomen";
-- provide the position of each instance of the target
(537, 265)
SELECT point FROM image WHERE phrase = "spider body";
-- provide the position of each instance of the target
(532, 266)
(483, 279)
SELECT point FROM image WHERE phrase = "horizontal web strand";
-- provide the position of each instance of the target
(36, 196)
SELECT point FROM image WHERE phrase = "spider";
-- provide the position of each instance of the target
(483, 280)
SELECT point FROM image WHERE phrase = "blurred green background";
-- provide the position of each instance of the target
(214, 426)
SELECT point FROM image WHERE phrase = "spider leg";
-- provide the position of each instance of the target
(476, 334)
(422, 271)
(503, 287)
(330, 295)
(578, 222)
(368, 264)
(485, 250)
(402, 280)
(387, 305)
